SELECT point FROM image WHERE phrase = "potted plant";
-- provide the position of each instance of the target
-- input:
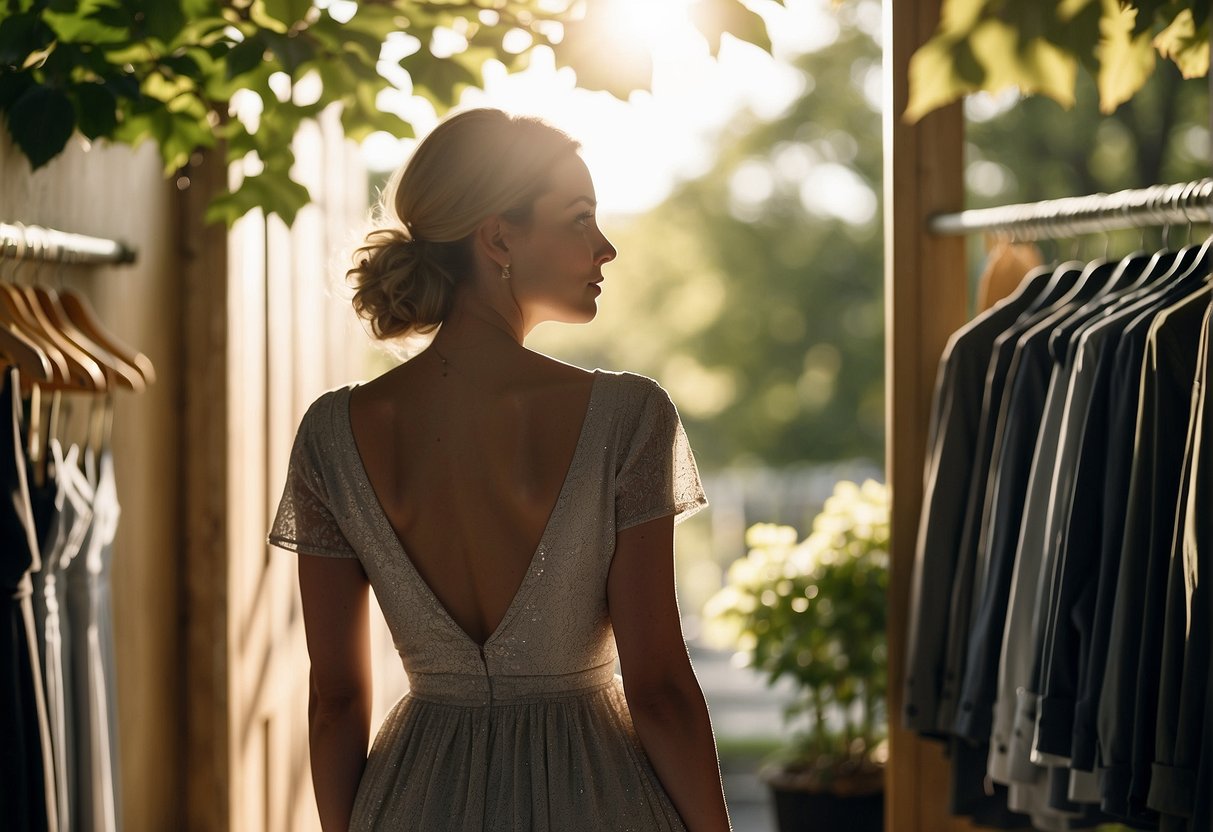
(814, 611)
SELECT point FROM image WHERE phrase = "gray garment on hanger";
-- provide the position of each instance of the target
(73, 514)
(94, 779)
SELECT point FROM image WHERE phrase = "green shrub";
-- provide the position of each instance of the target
(814, 611)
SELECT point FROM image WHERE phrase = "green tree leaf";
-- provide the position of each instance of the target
(288, 11)
(161, 19)
(244, 56)
(439, 79)
(12, 86)
(938, 78)
(97, 28)
(1186, 43)
(273, 194)
(1126, 61)
(617, 65)
(1035, 66)
(716, 17)
(96, 109)
(291, 50)
(41, 121)
(21, 34)
(376, 21)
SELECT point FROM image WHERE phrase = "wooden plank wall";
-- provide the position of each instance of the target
(925, 301)
(120, 193)
(288, 335)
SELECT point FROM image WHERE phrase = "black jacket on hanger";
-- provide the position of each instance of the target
(1181, 715)
(955, 425)
(1149, 524)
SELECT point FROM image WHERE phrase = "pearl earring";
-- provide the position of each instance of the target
(505, 272)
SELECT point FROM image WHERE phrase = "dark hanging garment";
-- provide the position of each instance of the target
(965, 587)
(1123, 394)
(1074, 587)
(27, 799)
(1202, 808)
(1018, 431)
(955, 420)
(1131, 677)
(1081, 573)
(1059, 647)
(1181, 715)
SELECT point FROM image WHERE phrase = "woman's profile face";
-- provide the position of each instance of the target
(556, 262)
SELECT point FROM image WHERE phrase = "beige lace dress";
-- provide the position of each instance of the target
(531, 730)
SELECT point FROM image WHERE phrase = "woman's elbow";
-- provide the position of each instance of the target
(663, 695)
(328, 701)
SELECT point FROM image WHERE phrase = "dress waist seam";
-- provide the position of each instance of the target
(477, 701)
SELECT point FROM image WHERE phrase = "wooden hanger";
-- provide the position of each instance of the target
(118, 370)
(14, 315)
(83, 371)
(81, 314)
(32, 362)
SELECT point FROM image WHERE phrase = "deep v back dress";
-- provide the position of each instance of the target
(529, 731)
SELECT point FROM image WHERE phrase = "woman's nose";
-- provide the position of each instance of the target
(606, 251)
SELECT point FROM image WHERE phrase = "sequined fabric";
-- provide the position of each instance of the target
(530, 731)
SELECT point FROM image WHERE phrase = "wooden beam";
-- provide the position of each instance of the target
(925, 301)
(204, 458)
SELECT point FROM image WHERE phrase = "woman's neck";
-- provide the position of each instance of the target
(474, 325)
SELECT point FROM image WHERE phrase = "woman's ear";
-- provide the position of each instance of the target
(491, 239)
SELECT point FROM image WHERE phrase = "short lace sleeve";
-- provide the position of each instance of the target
(657, 475)
(304, 523)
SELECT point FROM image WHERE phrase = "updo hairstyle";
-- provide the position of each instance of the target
(473, 165)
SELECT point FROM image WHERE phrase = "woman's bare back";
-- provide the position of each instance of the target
(467, 461)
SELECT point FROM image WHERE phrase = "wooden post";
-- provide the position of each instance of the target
(925, 289)
(204, 442)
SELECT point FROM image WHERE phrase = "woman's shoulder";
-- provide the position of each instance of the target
(633, 384)
(323, 414)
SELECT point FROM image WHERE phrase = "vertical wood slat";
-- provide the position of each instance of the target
(925, 301)
(250, 625)
(204, 396)
(305, 343)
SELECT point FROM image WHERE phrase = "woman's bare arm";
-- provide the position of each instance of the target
(335, 618)
(667, 705)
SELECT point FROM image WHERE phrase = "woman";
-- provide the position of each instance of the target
(514, 516)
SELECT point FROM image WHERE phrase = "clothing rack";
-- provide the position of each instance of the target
(35, 242)
(1159, 205)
